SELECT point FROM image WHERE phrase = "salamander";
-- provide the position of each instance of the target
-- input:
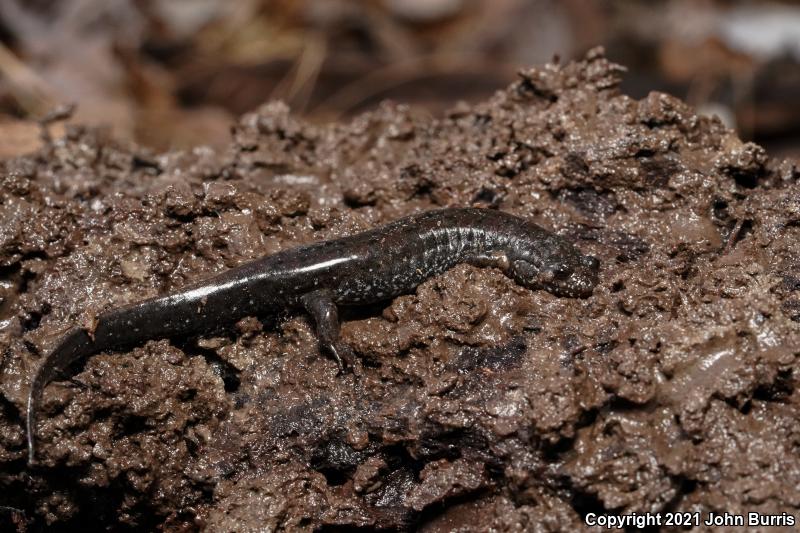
(364, 268)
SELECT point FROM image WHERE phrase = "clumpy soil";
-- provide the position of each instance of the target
(475, 403)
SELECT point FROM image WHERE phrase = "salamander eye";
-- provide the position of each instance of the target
(559, 271)
(590, 262)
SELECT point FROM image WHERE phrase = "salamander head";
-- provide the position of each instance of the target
(559, 269)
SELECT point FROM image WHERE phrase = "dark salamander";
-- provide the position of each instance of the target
(365, 268)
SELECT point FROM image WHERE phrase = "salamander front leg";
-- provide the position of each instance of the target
(490, 259)
(320, 305)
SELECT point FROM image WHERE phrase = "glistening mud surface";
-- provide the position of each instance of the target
(477, 403)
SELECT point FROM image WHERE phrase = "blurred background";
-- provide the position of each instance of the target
(176, 73)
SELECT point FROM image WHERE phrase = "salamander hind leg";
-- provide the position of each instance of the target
(322, 308)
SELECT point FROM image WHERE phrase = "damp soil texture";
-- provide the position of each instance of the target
(475, 403)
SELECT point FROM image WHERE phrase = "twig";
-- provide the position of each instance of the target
(732, 237)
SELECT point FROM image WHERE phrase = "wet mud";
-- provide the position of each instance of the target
(475, 403)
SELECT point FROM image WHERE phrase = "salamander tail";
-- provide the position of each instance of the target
(76, 344)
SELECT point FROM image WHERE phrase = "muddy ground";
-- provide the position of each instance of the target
(476, 403)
